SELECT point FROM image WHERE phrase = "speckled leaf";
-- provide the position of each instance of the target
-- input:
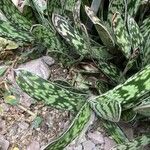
(49, 92)
(70, 34)
(55, 46)
(135, 34)
(115, 132)
(47, 37)
(100, 53)
(18, 35)
(111, 71)
(76, 12)
(127, 94)
(133, 6)
(103, 32)
(73, 131)
(144, 107)
(108, 110)
(122, 37)
(145, 29)
(116, 6)
(13, 15)
(135, 144)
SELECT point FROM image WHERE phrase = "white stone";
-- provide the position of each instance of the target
(39, 66)
(88, 145)
(96, 137)
(109, 143)
(34, 145)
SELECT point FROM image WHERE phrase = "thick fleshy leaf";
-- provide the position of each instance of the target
(76, 12)
(110, 110)
(122, 37)
(115, 132)
(145, 29)
(135, 144)
(103, 32)
(144, 107)
(127, 94)
(73, 131)
(13, 15)
(70, 34)
(49, 92)
(116, 6)
(18, 35)
(111, 71)
(133, 6)
(135, 34)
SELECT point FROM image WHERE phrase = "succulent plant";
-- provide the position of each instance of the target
(116, 39)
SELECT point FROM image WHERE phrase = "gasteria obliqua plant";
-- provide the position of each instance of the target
(116, 39)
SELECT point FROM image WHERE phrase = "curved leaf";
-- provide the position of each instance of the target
(127, 94)
(135, 144)
(18, 35)
(71, 35)
(73, 131)
(103, 32)
(49, 92)
(13, 15)
(121, 34)
(115, 132)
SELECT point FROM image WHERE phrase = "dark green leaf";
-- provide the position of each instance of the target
(49, 92)
(135, 144)
(18, 35)
(13, 15)
(115, 132)
(73, 131)
(122, 37)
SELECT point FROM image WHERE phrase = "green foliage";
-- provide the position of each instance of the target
(36, 122)
(116, 41)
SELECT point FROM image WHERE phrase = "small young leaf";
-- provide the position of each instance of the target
(11, 99)
(110, 110)
(127, 95)
(36, 122)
